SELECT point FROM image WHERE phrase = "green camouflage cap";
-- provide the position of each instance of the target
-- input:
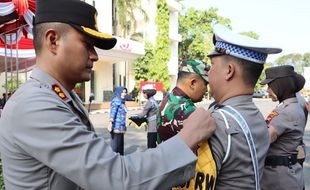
(195, 66)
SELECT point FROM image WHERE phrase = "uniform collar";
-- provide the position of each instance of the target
(233, 101)
(290, 100)
(51, 83)
(178, 92)
(237, 100)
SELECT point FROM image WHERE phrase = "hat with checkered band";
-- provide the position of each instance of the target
(195, 66)
(228, 43)
(76, 13)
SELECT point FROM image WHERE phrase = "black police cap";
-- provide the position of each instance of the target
(76, 13)
(273, 73)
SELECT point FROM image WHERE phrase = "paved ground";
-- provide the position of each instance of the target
(135, 139)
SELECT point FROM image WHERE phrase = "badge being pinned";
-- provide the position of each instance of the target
(270, 116)
(59, 92)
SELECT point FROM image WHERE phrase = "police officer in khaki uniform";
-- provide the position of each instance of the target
(47, 140)
(286, 125)
(241, 139)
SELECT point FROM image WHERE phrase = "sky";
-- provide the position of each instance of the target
(280, 23)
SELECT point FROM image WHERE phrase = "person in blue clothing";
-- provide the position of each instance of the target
(117, 124)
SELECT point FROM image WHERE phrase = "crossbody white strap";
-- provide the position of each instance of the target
(245, 128)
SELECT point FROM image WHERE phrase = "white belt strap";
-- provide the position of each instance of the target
(245, 128)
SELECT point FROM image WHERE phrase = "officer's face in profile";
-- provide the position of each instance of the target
(145, 95)
(123, 94)
(77, 55)
(199, 88)
(216, 75)
(272, 95)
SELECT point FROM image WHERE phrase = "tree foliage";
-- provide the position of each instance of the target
(13, 84)
(141, 65)
(126, 17)
(195, 27)
(258, 86)
(153, 66)
(250, 34)
(293, 59)
(158, 68)
(306, 60)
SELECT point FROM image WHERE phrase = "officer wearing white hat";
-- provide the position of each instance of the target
(47, 141)
(150, 112)
(241, 139)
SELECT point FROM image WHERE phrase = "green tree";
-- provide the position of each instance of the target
(13, 84)
(306, 60)
(141, 65)
(195, 27)
(125, 24)
(293, 59)
(250, 34)
(258, 86)
(158, 68)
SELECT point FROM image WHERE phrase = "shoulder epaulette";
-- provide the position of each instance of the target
(56, 88)
(271, 116)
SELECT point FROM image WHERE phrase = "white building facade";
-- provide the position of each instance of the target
(115, 67)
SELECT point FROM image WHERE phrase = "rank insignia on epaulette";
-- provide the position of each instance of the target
(271, 115)
(59, 92)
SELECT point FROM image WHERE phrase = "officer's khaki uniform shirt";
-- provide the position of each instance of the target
(288, 119)
(47, 142)
(237, 172)
(150, 110)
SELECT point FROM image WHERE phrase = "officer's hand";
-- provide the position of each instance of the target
(110, 127)
(197, 127)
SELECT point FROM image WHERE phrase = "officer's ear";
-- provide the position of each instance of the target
(230, 70)
(193, 81)
(51, 40)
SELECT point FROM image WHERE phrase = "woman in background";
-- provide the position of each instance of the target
(286, 125)
(117, 125)
(150, 111)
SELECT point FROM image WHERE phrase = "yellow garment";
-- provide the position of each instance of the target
(206, 174)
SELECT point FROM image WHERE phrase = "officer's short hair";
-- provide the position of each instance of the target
(183, 75)
(250, 71)
(39, 32)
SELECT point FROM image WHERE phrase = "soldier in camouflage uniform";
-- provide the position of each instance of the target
(177, 106)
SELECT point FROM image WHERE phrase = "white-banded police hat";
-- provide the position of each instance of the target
(148, 87)
(228, 43)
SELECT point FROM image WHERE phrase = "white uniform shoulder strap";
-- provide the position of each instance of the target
(245, 128)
